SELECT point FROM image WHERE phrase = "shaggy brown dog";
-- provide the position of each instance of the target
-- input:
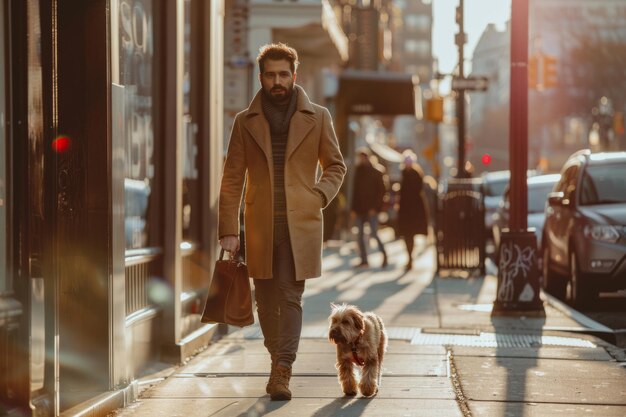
(361, 340)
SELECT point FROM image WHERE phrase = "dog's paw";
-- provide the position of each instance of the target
(368, 390)
(349, 387)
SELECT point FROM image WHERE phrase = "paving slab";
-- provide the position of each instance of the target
(192, 386)
(297, 407)
(541, 380)
(568, 353)
(315, 364)
(229, 346)
(526, 409)
(467, 303)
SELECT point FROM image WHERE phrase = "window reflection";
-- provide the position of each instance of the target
(190, 222)
(135, 67)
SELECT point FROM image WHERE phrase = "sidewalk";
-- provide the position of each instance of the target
(446, 356)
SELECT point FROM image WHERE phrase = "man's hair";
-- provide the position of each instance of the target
(277, 51)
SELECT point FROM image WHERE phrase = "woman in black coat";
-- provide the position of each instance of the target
(412, 206)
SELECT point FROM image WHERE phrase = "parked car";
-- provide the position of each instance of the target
(584, 236)
(493, 186)
(538, 189)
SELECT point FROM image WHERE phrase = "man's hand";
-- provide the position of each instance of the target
(230, 244)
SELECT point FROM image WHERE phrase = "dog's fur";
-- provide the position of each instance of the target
(349, 327)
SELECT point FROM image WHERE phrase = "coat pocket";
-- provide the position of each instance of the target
(315, 199)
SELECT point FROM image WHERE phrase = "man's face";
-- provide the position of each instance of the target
(277, 80)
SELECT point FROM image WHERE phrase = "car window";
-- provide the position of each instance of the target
(603, 184)
(537, 197)
(495, 188)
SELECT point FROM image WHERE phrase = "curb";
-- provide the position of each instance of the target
(590, 326)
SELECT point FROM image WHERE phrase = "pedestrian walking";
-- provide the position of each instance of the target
(368, 192)
(276, 146)
(412, 204)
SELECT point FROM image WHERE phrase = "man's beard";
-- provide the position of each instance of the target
(279, 99)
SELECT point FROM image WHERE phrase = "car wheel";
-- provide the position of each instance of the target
(580, 292)
(551, 281)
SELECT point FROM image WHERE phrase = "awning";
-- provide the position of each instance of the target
(312, 41)
(371, 92)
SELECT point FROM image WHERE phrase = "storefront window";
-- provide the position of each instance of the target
(135, 23)
(190, 209)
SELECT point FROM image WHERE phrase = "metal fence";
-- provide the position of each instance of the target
(460, 225)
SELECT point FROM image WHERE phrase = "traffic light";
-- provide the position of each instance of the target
(532, 72)
(434, 109)
(549, 71)
(485, 159)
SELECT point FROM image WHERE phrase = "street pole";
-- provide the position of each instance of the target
(460, 100)
(518, 274)
(518, 117)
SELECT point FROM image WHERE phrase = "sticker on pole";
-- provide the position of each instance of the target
(527, 294)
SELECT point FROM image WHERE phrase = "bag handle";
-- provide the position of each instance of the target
(232, 257)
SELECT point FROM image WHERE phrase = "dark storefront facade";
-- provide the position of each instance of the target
(110, 154)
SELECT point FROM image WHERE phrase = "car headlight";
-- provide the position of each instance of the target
(603, 233)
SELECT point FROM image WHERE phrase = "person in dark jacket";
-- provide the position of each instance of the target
(412, 206)
(367, 201)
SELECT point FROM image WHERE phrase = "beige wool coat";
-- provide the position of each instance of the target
(311, 142)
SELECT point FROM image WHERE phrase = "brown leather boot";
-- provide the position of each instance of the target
(280, 389)
(271, 382)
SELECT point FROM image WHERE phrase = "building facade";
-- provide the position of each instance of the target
(489, 110)
(587, 40)
(109, 177)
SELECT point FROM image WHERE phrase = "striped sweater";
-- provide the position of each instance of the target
(278, 117)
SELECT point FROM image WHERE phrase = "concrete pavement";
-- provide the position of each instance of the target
(446, 356)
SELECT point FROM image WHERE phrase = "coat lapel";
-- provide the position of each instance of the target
(301, 123)
(258, 127)
(260, 130)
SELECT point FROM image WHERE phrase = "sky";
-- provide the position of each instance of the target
(478, 13)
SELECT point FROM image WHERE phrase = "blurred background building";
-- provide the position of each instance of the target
(577, 73)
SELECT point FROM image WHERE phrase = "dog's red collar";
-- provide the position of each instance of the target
(355, 357)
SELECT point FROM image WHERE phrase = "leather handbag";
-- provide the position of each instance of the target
(230, 299)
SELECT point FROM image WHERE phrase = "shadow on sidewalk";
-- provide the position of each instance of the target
(345, 407)
(262, 406)
(375, 290)
(516, 368)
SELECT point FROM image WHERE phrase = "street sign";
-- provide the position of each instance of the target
(470, 83)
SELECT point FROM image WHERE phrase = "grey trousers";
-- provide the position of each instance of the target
(279, 305)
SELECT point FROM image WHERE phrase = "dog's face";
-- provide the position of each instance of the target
(346, 323)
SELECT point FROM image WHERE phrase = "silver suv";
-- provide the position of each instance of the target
(584, 236)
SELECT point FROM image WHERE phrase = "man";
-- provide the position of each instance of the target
(276, 146)
(367, 201)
